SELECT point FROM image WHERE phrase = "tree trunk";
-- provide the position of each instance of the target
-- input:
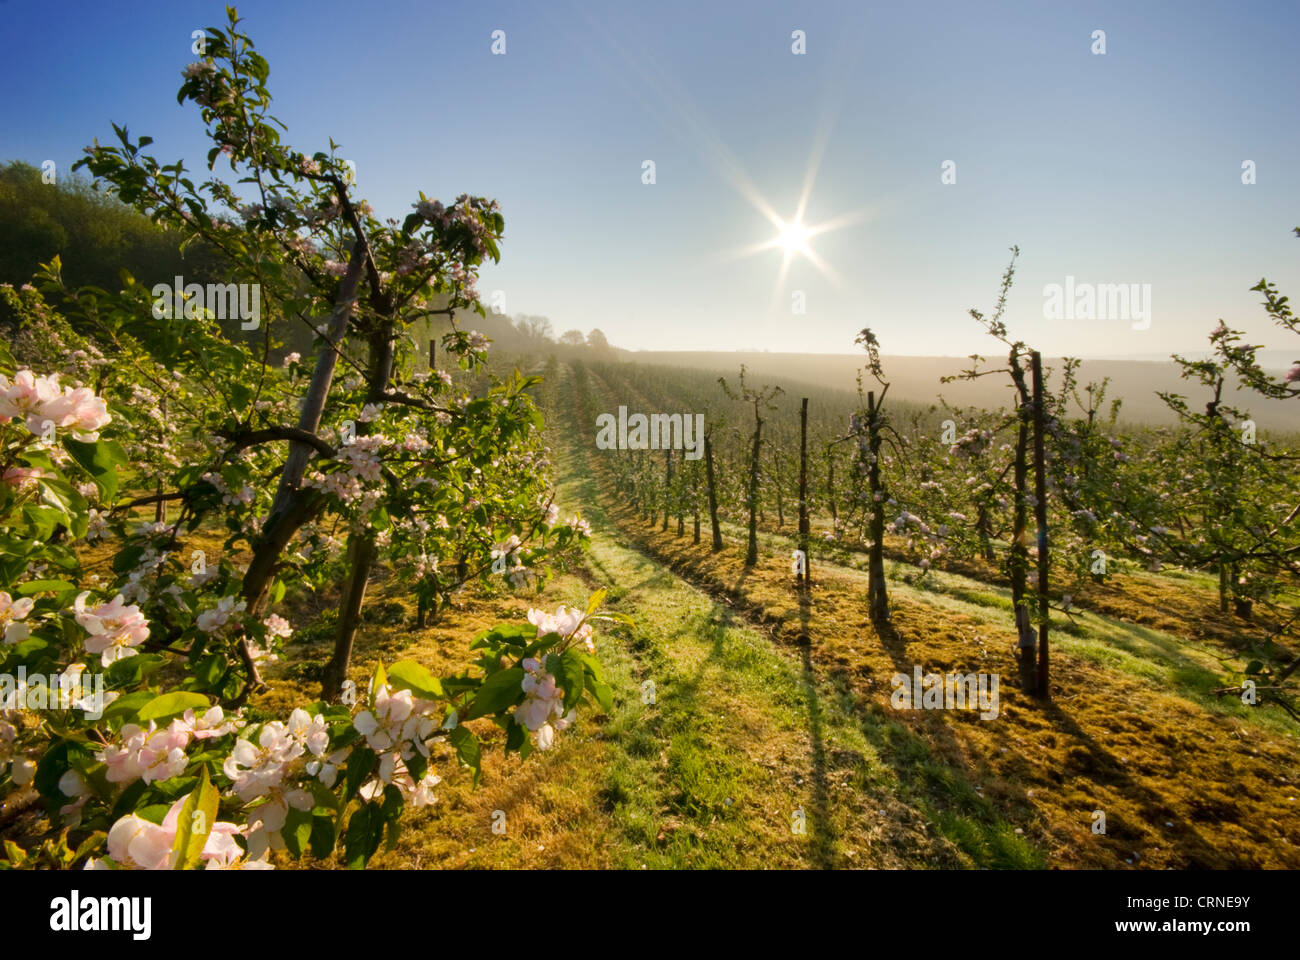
(361, 555)
(830, 489)
(695, 497)
(877, 590)
(804, 529)
(668, 485)
(361, 543)
(293, 506)
(1018, 562)
(1040, 516)
(984, 528)
(713, 493)
(751, 552)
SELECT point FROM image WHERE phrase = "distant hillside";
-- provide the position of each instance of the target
(917, 379)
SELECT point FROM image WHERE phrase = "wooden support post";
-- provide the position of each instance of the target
(805, 581)
(1040, 515)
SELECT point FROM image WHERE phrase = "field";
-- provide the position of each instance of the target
(766, 704)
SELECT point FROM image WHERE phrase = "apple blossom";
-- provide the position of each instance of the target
(114, 628)
(146, 754)
(135, 843)
(11, 612)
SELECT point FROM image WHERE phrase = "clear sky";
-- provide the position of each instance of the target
(1115, 168)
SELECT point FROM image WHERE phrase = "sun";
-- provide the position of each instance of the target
(793, 238)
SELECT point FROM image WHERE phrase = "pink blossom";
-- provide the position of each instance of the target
(25, 398)
(542, 711)
(258, 770)
(147, 754)
(38, 400)
(21, 476)
(114, 628)
(211, 724)
(12, 611)
(566, 621)
(134, 842)
(211, 621)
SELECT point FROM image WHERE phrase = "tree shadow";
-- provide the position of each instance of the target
(823, 838)
(1106, 768)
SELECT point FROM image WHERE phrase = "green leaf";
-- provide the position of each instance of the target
(468, 750)
(570, 673)
(100, 459)
(325, 801)
(153, 812)
(209, 670)
(129, 671)
(127, 558)
(361, 763)
(54, 763)
(409, 675)
(173, 705)
(511, 635)
(593, 665)
(126, 803)
(594, 603)
(516, 735)
(602, 692)
(194, 825)
(125, 706)
(322, 837)
(297, 831)
(364, 833)
(393, 802)
(500, 690)
(45, 586)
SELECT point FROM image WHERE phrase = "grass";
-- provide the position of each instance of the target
(733, 745)
(1185, 778)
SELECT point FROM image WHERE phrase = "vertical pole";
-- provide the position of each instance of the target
(668, 484)
(1040, 515)
(877, 591)
(806, 578)
(751, 553)
(713, 493)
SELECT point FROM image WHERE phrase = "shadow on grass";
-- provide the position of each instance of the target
(823, 836)
(945, 791)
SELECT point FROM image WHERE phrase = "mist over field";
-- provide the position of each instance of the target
(916, 380)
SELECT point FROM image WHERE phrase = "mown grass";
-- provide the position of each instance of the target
(750, 735)
(1185, 779)
(1191, 667)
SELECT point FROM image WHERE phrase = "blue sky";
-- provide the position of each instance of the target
(1122, 168)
